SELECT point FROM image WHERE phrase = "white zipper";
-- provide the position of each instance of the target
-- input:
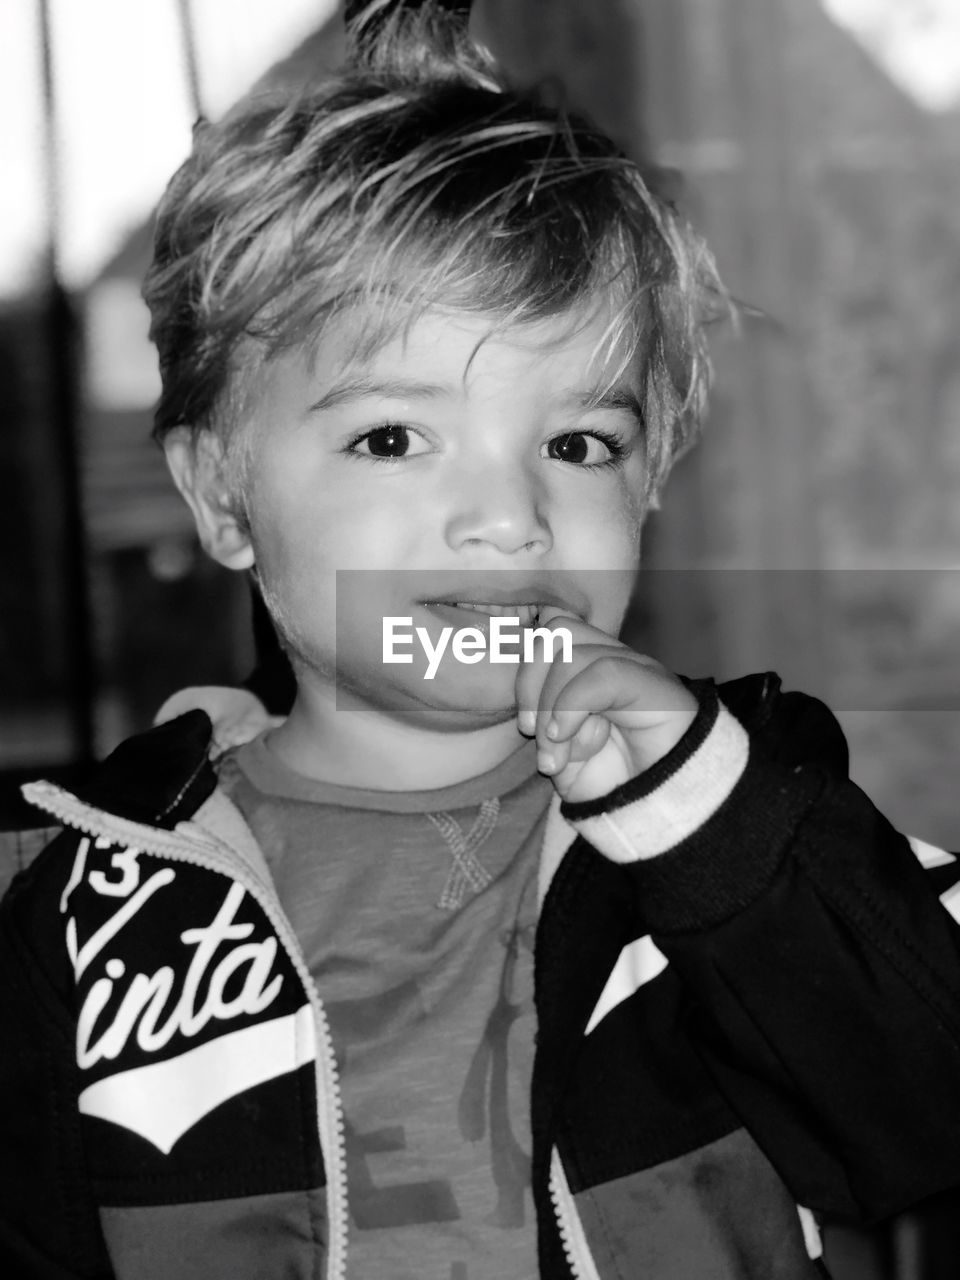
(572, 1235)
(204, 849)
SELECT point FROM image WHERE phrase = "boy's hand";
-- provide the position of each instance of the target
(604, 717)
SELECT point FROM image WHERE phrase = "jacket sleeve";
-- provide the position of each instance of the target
(49, 1225)
(821, 969)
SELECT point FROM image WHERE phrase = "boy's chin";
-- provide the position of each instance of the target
(457, 699)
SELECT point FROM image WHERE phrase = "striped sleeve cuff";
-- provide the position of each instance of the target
(670, 802)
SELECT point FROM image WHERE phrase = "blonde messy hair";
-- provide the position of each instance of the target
(418, 178)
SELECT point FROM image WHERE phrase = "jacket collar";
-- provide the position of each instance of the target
(165, 776)
(158, 778)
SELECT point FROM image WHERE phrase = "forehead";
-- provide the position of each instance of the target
(457, 353)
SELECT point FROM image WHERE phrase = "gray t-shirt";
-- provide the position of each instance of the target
(416, 912)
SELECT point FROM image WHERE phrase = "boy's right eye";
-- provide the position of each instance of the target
(389, 441)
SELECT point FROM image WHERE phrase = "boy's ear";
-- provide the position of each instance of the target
(198, 468)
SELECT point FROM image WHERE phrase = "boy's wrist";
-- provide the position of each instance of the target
(656, 743)
(676, 795)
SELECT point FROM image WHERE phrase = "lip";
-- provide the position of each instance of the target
(529, 592)
(456, 616)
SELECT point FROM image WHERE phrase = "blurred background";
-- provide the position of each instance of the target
(815, 531)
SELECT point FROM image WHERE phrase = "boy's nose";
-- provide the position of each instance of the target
(503, 512)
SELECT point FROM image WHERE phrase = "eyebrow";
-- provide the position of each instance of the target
(389, 388)
(360, 387)
(617, 397)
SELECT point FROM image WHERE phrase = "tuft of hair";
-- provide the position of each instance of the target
(419, 178)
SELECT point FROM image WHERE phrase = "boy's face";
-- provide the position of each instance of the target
(459, 473)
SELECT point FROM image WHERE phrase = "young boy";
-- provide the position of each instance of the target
(466, 969)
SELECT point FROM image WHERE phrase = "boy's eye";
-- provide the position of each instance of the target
(585, 448)
(389, 441)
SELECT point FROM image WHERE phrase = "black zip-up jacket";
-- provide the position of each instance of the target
(747, 994)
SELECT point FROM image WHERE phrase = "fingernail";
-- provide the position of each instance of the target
(553, 729)
(527, 721)
(546, 762)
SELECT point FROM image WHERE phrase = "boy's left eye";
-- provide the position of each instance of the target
(585, 448)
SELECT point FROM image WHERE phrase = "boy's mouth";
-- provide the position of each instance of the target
(476, 613)
(471, 601)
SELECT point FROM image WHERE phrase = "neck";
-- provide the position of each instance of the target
(369, 747)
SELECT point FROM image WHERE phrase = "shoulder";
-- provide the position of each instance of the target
(35, 871)
(155, 778)
(19, 849)
(792, 727)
